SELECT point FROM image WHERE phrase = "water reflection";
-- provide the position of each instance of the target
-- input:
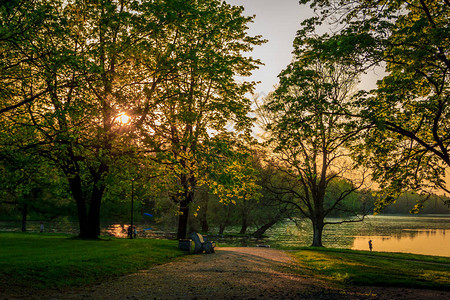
(117, 230)
(424, 234)
(120, 231)
(418, 241)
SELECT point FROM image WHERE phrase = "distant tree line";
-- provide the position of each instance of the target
(432, 204)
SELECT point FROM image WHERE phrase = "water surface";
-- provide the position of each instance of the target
(422, 241)
(418, 234)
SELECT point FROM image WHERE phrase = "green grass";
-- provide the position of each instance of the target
(348, 267)
(56, 260)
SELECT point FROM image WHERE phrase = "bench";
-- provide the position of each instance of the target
(202, 243)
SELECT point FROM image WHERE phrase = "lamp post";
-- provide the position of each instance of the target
(124, 119)
(132, 200)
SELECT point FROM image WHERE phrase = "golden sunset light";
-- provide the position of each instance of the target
(124, 119)
(288, 149)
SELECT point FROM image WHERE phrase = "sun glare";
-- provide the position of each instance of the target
(124, 119)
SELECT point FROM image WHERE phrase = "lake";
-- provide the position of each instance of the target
(419, 234)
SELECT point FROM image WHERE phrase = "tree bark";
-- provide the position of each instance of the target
(183, 220)
(77, 194)
(94, 210)
(244, 225)
(188, 197)
(258, 233)
(317, 233)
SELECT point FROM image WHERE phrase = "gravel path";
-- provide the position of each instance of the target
(231, 273)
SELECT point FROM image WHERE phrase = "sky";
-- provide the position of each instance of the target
(277, 21)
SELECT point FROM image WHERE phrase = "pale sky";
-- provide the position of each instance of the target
(278, 21)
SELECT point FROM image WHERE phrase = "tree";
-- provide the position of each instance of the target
(409, 141)
(31, 187)
(238, 183)
(21, 22)
(308, 133)
(170, 65)
(201, 96)
(272, 207)
(92, 69)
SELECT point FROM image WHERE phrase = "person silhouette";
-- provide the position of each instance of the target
(370, 245)
(130, 232)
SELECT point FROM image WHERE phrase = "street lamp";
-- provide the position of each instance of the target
(132, 201)
(123, 119)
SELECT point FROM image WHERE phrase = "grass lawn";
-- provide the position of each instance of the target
(56, 260)
(348, 267)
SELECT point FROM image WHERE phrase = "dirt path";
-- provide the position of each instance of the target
(231, 273)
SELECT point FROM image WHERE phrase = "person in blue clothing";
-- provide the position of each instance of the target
(370, 245)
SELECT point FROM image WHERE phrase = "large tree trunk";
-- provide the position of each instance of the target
(258, 233)
(183, 219)
(244, 223)
(222, 228)
(89, 222)
(188, 197)
(77, 194)
(94, 210)
(317, 233)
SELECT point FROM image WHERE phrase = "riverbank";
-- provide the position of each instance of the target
(250, 272)
(423, 234)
